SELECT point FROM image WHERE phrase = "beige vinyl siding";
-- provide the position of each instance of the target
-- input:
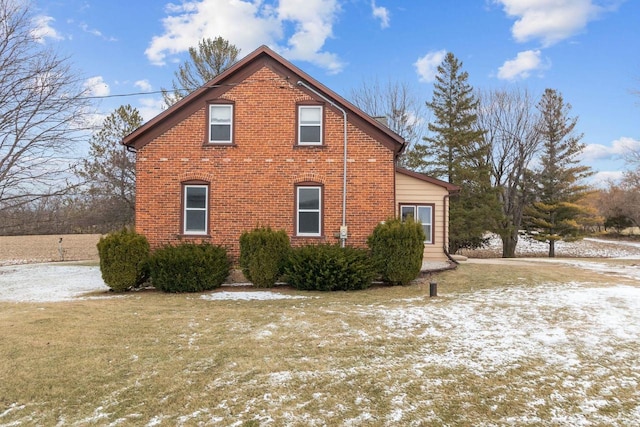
(411, 190)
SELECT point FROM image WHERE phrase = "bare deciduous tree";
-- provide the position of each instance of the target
(41, 110)
(620, 201)
(510, 120)
(398, 104)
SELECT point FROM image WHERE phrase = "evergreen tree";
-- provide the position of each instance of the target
(109, 171)
(205, 62)
(455, 151)
(555, 213)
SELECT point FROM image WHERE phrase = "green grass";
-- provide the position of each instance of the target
(330, 359)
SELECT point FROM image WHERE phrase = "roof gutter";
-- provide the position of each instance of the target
(343, 228)
(130, 149)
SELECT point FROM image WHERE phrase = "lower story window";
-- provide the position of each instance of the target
(308, 211)
(421, 213)
(196, 201)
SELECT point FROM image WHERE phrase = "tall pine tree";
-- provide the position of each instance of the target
(109, 172)
(555, 212)
(455, 151)
(210, 58)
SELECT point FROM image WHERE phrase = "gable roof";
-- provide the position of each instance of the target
(261, 57)
(451, 188)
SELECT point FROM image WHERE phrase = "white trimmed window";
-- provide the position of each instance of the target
(220, 123)
(422, 214)
(196, 208)
(308, 211)
(310, 125)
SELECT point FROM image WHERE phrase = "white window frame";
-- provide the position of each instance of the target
(301, 125)
(299, 210)
(186, 208)
(229, 123)
(416, 208)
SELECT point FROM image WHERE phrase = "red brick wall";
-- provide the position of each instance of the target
(253, 182)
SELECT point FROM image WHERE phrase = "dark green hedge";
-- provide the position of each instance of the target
(329, 268)
(124, 257)
(189, 267)
(397, 250)
(263, 255)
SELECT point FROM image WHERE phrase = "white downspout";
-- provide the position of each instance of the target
(343, 228)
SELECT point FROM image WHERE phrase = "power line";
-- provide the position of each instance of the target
(120, 95)
(154, 92)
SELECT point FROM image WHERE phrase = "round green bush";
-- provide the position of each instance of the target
(397, 250)
(263, 255)
(124, 257)
(329, 268)
(189, 267)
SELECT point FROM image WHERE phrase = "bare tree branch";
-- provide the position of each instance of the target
(398, 104)
(510, 120)
(41, 112)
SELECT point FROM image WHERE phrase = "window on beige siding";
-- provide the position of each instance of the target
(422, 214)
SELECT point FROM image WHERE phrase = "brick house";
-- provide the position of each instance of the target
(263, 143)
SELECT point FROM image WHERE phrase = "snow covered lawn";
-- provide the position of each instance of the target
(560, 352)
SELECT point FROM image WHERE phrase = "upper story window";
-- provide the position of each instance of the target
(310, 125)
(196, 209)
(220, 123)
(421, 213)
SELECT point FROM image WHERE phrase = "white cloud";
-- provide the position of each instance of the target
(92, 31)
(143, 85)
(427, 66)
(43, 30)
(150, 107)
(313, 20)
(550, 21)
(616, 150)
(298, 29)
(603, 178)
(84, 27)
(381, 13)
(521, 66)
(97, 86)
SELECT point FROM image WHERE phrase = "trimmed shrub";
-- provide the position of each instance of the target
(124, 257)
(263, 255)
(189, 267)
(397, 249)
(329, 268)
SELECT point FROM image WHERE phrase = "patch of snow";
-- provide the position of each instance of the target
(248, 295)
(617, 242)
(488, 331)
(280, 377)
(629, 271)
(11, 408)
(48, 282)
(585, 248)
(155, 421)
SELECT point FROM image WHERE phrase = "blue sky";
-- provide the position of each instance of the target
(589, 50)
